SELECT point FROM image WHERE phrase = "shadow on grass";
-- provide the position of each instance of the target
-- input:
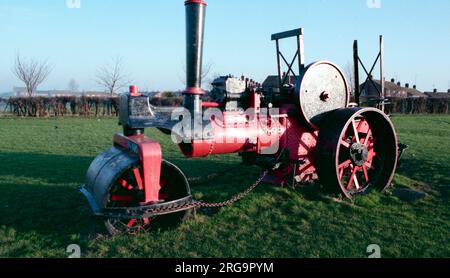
(432, 174)
(49, 168)
(40, 193)
(43, 209)
(72, 169)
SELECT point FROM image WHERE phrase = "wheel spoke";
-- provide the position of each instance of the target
(123, 183)
(352, 178)
(368, 137)
(366, 174)
(344, 164)
(137, 176)
(131, 223)
(345, 144)
(355, 131)
(355, 178)
(363, 126)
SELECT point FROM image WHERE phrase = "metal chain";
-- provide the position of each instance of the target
(234, 199)
(200, 204)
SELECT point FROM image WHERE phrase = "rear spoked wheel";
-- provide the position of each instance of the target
(357, 151)
(128, 191)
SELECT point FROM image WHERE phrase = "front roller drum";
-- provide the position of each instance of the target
(115, 180)
(357, 151)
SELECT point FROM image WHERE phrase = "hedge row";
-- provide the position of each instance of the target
(62, 106)
(418, 106)
(109, 106)
(72, 105)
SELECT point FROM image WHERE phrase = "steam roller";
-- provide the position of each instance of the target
(300, 130)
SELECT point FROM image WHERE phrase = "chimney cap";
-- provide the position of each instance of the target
(134, 91)
(393, 80)
(434, 90)
(199, 2)
(407, 85)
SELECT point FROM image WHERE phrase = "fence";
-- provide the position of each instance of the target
(72, 105)
(418, 106)
(62, 106)
(109, 106)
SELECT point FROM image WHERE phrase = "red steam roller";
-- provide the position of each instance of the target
(301, 130)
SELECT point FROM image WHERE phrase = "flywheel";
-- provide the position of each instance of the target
(321, 88)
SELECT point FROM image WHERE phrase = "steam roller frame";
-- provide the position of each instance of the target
(357, 151)
(130, 179)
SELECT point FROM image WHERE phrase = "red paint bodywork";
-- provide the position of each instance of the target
(254, 131)
(134, 92)
(235, 132)
(194, 91)
(150, 155)
(201, 2)
(207, 104)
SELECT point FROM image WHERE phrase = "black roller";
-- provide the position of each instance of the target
(357, 151)
(111, 182)
(105, 170)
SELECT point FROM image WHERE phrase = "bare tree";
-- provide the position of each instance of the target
(211, 79)
(31, 72)
(206, 71)
(112, 77)
(350, 73)
(73, 86)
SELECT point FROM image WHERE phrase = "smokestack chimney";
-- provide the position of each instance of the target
(195, 25)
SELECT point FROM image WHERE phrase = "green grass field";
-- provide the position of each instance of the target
(43, 162)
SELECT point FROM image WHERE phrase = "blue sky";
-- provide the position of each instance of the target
(149, 35)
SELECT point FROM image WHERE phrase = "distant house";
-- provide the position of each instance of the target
(370, 91)
(22, 92)
(19, 91)
(436, 94)
(165, 94)
(91, 93)
(272, 84)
